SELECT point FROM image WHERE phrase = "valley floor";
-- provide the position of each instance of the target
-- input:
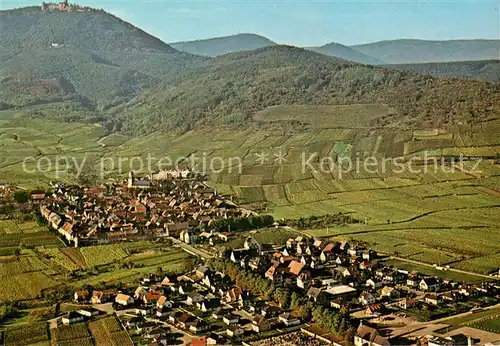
(448, 215)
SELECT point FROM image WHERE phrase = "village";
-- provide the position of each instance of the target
(322, 292)
(178, 204)
(306, 290)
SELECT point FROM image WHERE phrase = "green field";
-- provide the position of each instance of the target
(483, 318)
(489, 324)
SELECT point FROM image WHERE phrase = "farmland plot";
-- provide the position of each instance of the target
(59, 258)
(24, 286)
(70, 333)
(103, 254)
(35, 333)
(75, 256)
(484, 264)
(107, 332)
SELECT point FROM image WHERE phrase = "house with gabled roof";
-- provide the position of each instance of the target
(152, 297)
(296, 268)
(429, 284)
(261, 324)
(234, 331)
(375, 310)
(185, 321)
(124, 299)
(368, 336)
(233, 294)
(366, 298)
(231, 318)
(389, 291)
(199, 326)
(289, 319)
(81, 296)
(317, 295)
(209, 304)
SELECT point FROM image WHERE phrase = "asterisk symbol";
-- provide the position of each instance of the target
(279, 157)
(261, 158)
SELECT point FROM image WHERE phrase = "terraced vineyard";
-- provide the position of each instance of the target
(107, 332)
(33, 334)
(434, 215)
(97, 255)
(76, 334)
(26, 272)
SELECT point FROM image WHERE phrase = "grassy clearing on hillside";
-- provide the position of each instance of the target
(348, 116)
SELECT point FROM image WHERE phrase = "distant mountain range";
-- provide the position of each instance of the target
(223, 45)
(488, 70)
(469, 59)
(378, 53)
(344, 52)
(422, 51)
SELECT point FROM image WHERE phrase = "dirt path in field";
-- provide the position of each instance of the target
(75, 256)
(490, 191)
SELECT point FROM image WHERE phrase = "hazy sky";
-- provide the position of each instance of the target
(305, 23)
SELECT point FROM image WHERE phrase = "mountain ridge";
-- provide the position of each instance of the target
(232, 88)
(344, 52)
(108, 60)
(223, 45)
(121, 75)
(404, 51)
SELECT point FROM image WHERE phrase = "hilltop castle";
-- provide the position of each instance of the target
(63, 6)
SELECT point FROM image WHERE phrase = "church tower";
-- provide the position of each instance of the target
(130, 179)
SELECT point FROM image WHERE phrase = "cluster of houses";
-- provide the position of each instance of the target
(342, 273)
(175, 203)
(204, 304)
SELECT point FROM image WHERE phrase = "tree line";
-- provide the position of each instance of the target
(243, 224)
